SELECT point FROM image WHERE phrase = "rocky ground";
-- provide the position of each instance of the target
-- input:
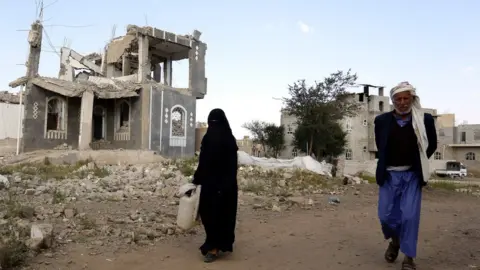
(86, 216)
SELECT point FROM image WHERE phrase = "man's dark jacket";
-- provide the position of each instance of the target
(383, 124)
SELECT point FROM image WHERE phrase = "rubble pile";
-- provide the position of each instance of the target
(43, 205)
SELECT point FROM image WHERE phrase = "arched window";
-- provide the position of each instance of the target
(178, 126)
(122, 115)
(348, 154)
(56, 119)
(122, 121)
(470, 156)
(437, 156)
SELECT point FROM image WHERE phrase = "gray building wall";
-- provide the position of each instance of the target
(135, 123)
(196, 71)
(34, 120)
(163, 101)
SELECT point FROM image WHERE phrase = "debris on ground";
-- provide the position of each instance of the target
(44, 206)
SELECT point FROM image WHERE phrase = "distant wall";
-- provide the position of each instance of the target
(353, 167)
(9, 120)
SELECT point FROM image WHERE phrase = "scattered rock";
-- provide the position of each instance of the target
(4, 183)
(93, 204)
(333, 200)
(69, 213)
(276, 208)
(41, 236)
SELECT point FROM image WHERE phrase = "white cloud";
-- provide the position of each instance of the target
(305, 28)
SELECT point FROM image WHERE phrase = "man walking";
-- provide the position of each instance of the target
(406, 138)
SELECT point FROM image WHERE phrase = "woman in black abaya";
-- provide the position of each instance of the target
(217, 173)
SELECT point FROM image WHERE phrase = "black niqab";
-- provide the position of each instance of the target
(219, 132)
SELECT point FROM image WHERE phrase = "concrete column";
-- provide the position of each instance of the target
(103, 66)
(167, 71)
(380, 91)
(86, 115)
(157, 73)
(143, 59)
(66, 71)
(35, 41)
(126, 68)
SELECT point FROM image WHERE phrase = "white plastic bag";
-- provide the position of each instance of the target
(188, 207)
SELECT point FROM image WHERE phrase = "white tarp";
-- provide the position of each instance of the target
(306, 162)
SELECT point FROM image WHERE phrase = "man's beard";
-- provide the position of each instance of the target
(397, 111)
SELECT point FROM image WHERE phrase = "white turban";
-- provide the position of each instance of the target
(418, 124)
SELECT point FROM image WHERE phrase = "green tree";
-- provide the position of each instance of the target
(326, 144)
(257, 129)
(275, 139)
(269, 135)
(318, 109)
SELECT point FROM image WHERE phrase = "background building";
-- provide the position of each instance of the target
(455, 142)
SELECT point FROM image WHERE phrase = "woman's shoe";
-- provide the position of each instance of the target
(210, 257)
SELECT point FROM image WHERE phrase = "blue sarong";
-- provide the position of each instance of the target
(399, 205)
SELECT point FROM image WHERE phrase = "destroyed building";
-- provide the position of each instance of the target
(122, 98)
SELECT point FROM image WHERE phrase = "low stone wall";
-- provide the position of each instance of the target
(352, 167)
(101, 157)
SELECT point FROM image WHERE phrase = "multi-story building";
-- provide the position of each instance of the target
(246, 144)
(458, 142)
(360, 128)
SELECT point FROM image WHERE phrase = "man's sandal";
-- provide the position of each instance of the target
(408, 266)
(391, 254)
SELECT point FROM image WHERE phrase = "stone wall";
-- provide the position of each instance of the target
(353, 167)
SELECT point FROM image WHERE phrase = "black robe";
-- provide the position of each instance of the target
(217, 173)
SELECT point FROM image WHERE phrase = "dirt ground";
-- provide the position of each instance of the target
(343, 236)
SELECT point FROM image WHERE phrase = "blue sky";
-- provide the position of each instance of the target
(256, 48)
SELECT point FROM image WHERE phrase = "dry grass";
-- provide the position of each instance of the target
(13, 254)
(187, 166)
(46, 170)
(367, 177)
(13, 251)
(281, 182)
(445, 185)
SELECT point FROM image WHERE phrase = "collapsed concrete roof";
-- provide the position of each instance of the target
(7, 97)
(103, 88)
(161, 43)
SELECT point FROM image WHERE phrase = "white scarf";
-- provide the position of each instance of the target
(418, 125)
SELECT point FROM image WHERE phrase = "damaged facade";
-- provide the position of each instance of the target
(123, 98)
